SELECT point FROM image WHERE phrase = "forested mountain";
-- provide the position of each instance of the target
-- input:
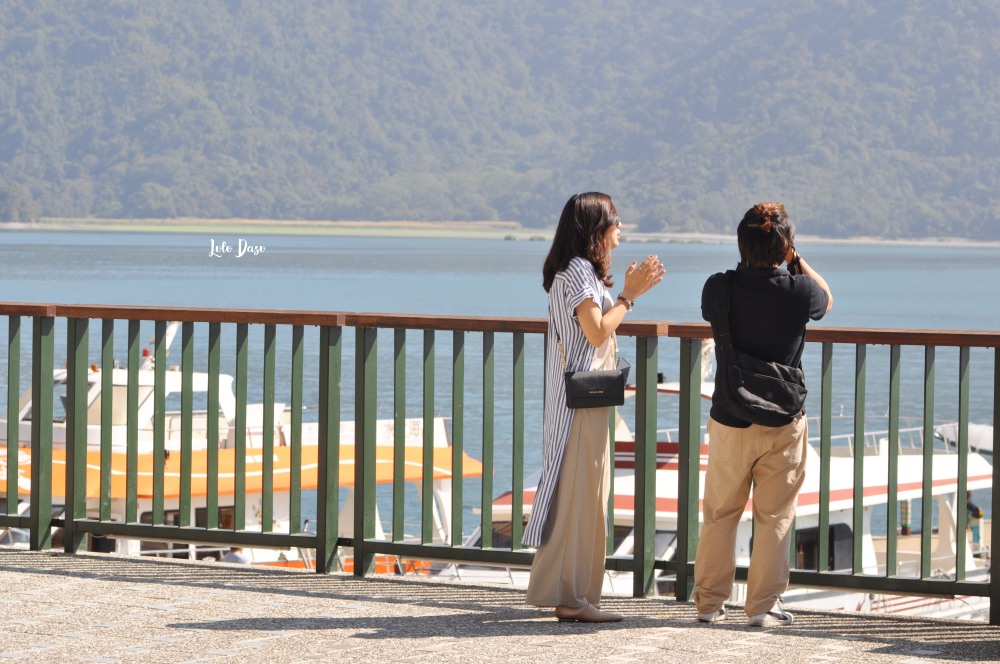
(865, 117)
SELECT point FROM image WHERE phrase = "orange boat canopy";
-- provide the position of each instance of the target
(281, 477)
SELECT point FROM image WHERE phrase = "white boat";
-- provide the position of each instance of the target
(875, 449)
(980, 436)
(226, 458)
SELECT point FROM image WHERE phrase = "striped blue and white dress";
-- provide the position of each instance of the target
(570, 287)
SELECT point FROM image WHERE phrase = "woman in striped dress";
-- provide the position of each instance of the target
(568, 515)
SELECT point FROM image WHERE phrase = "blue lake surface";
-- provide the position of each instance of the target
(878, 285)
(895, 286)
(885, 286)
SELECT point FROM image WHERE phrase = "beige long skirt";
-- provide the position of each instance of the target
(568, 569)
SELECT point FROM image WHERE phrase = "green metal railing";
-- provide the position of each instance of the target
(691, 337)
(282, 361)
(77, 522)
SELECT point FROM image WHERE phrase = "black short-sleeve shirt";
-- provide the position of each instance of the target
(769, 310)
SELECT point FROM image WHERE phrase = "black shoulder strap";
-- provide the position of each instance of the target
(722, 305)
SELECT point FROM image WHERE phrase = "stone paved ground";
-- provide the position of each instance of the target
(98, 608)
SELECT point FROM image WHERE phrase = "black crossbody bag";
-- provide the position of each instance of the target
(765, 393)
(596, 389)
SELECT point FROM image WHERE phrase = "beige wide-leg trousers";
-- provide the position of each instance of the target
(773, 459)
(568, 569)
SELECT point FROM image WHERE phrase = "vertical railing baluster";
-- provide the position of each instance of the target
(892, 507)
(994, 543)
(399, 435)
(366, 396)
(489, 370)
(132, 424)
(187, 422)
(40, 535)
(240, 463)
(427, 464)
(295, 434)
(267, 451)
(13, 408)
(858, 510)
(328, 462)
(159, 419)
(212, 438)
(609, 542)
(825, 454)
(926, 492)
(107, 408)
(517, 440)
(644, 502)
(961, 513)
(792, 537)
(457, 436)
(688, 464)
(77, 345)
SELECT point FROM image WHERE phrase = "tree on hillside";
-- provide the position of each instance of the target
(17, 204)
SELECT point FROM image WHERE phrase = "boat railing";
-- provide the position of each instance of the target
(909, 441)
(942, 568)
(671, 435)
(486, 374)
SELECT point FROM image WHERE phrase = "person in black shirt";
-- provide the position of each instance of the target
(769, 308)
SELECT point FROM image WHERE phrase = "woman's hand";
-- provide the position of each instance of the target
(639, 278)
(597, 325)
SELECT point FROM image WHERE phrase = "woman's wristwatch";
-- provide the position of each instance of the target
(628, 303)
(794, 265)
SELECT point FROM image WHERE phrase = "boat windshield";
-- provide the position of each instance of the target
(119, 406)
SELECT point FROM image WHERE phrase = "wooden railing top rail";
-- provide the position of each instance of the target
(182, 314)
(644, 328)
(634, 328)
(457, 323)
(866, 335)
(27, 309)
(326, 318)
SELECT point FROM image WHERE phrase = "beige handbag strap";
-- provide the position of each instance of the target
(614, 350)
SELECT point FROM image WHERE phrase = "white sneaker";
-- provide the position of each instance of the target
(776, 617)
(714, 616)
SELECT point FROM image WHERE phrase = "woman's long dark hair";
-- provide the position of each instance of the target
(583, 227)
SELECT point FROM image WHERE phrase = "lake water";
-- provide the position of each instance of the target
(885, 286)
(939, 287)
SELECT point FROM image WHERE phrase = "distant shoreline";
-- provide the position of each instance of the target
(487, 230)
